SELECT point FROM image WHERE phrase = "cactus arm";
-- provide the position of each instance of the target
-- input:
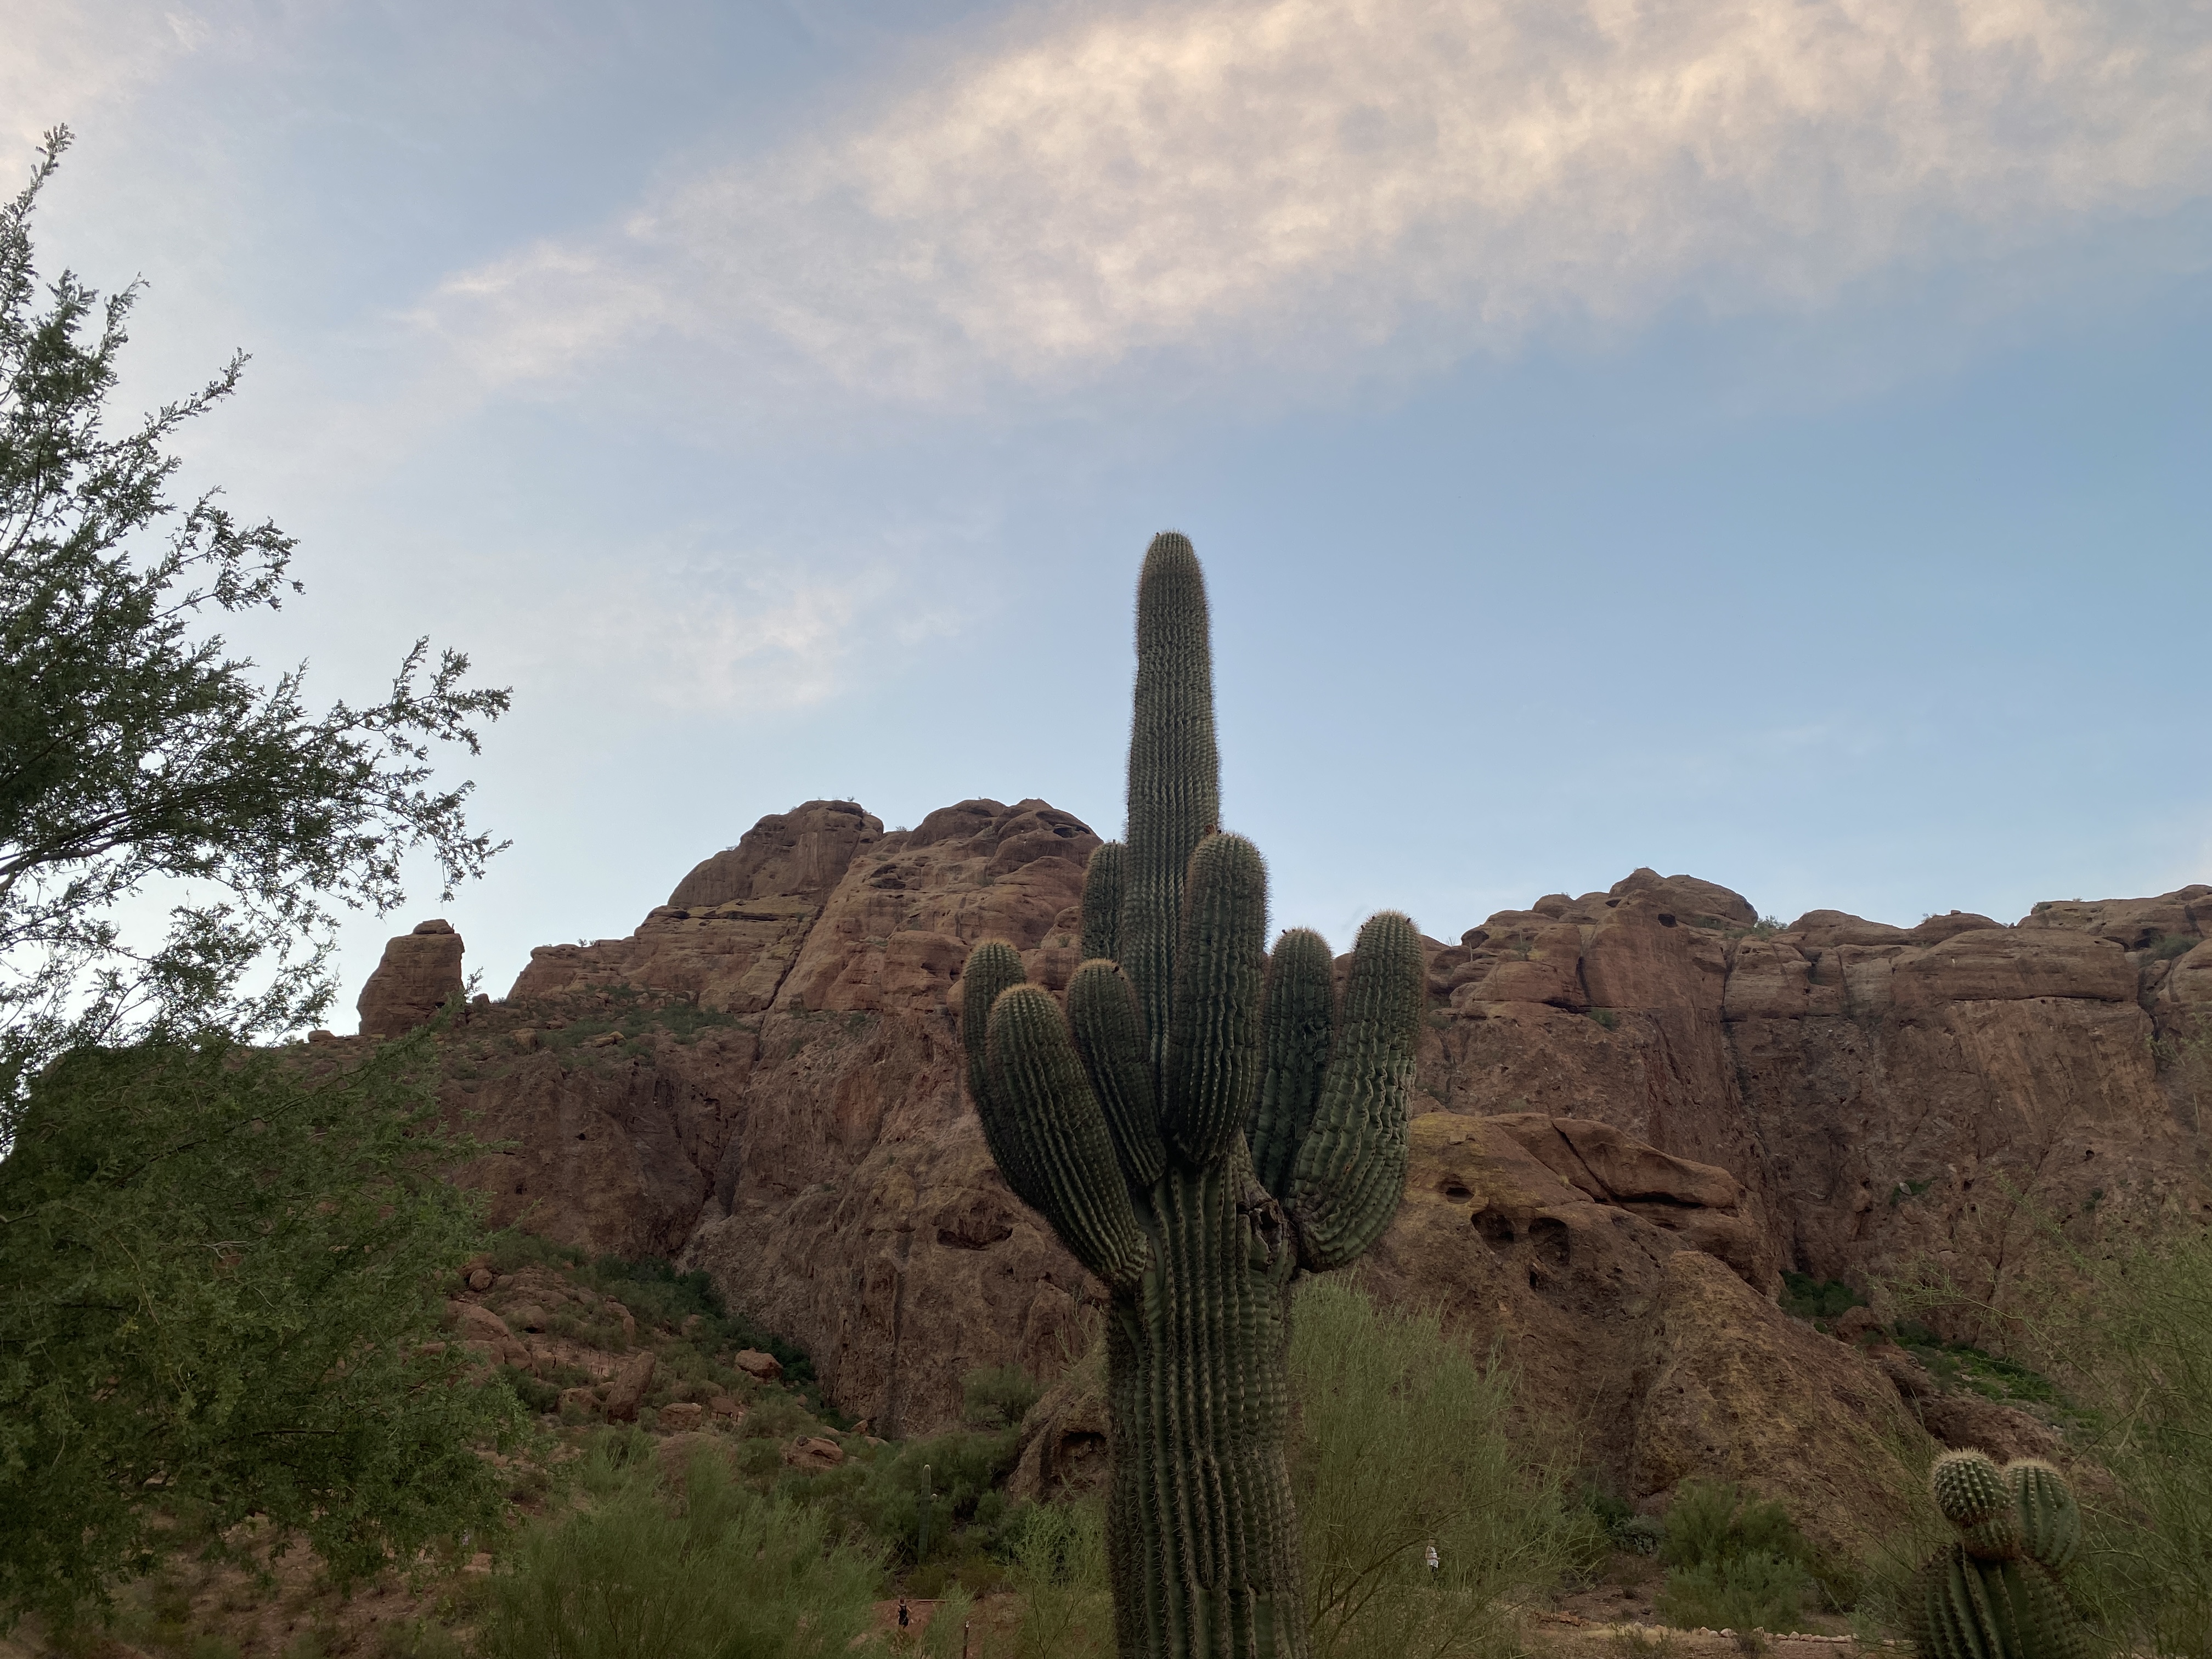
(1351, 1170)
(1298, 1015)
(1213, 1044)
(1175, 773)
(2050, 1519)
(1105, 883)
(994, 966)
(1046, 1113)
(1109, 1037)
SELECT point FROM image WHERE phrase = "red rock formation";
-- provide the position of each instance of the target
(764, 1080)
(420, 970)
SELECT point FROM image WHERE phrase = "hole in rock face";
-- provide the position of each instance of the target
(1665, 921)
(1456, 1188)
(1549, 1235)
(1496, 1230)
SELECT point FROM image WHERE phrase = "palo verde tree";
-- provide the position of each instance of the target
(1204, 1123)
(137, 756)
(218, 1265)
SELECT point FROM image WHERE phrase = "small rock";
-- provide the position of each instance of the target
(322, 1036)
(763, 1367)
(628, 1320)
(605, 1039)
(626, 1389)
(525, 1039)
(811, 1451)
(682, 1415)
(480, 1279)
(528, 1317)
(723, 1405)
(583, 1399)
(1854, 1324)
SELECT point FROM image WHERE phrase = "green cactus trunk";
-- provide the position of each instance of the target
(1129, 1122)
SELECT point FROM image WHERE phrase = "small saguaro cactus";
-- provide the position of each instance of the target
(1994, 1593)
(1202, 1124)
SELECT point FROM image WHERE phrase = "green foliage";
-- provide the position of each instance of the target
(217, 1281)
(2134, 1337)
(722, 1573)
(886, 1494)
(1804, 1296)
(1738, 1593)
(1403, 1441)
(2170, 945)
(1963, 1365)
(134, 750)
(1199, 1125)
(1734, 1561)
(999, 1396)
(1060, 1571)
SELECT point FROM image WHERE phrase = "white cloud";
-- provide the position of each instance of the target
(1298, 182)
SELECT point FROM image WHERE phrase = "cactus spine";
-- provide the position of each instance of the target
(1996, 1594)
(1202, 1124)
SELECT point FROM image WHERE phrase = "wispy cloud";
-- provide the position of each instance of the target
(792, 635)
(69, 62)
(1301, 181)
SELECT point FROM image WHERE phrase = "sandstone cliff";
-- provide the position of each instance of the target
(1635, 1108)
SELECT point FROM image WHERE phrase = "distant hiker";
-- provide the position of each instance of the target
(902, 1613)
(1431, 1558)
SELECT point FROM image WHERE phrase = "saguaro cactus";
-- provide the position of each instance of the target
(1994, 1593)
(1202, 1124)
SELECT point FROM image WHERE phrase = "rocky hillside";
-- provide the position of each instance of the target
(1636, 1109)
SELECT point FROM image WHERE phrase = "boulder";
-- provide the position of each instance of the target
(763, 1367)
(682, 1415)
(625, 1390)
(420, 971)
(813, 1452)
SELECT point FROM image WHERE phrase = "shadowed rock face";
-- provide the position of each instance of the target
(1634, 1109)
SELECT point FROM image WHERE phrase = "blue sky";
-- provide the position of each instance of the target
(1763, 439)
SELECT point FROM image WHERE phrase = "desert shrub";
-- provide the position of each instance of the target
(1402, 1441)
(1733, 1562)
(2134, 1343)
(1738, 1593)
(1059, 1569)
(887, 1494)
(1804, 1296)
(721, 1572)
(999, 1396)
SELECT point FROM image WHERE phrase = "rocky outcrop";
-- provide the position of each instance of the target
(420, 972)
(1635, 1108)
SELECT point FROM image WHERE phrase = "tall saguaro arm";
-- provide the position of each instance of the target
(1201, 1124)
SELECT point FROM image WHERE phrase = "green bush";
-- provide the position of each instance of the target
(218, 1290)
(1403, 1441)
(1733, 1562)
(999, 1396)
(723, 1573)
(1738, 1593)
(1804, 1296)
